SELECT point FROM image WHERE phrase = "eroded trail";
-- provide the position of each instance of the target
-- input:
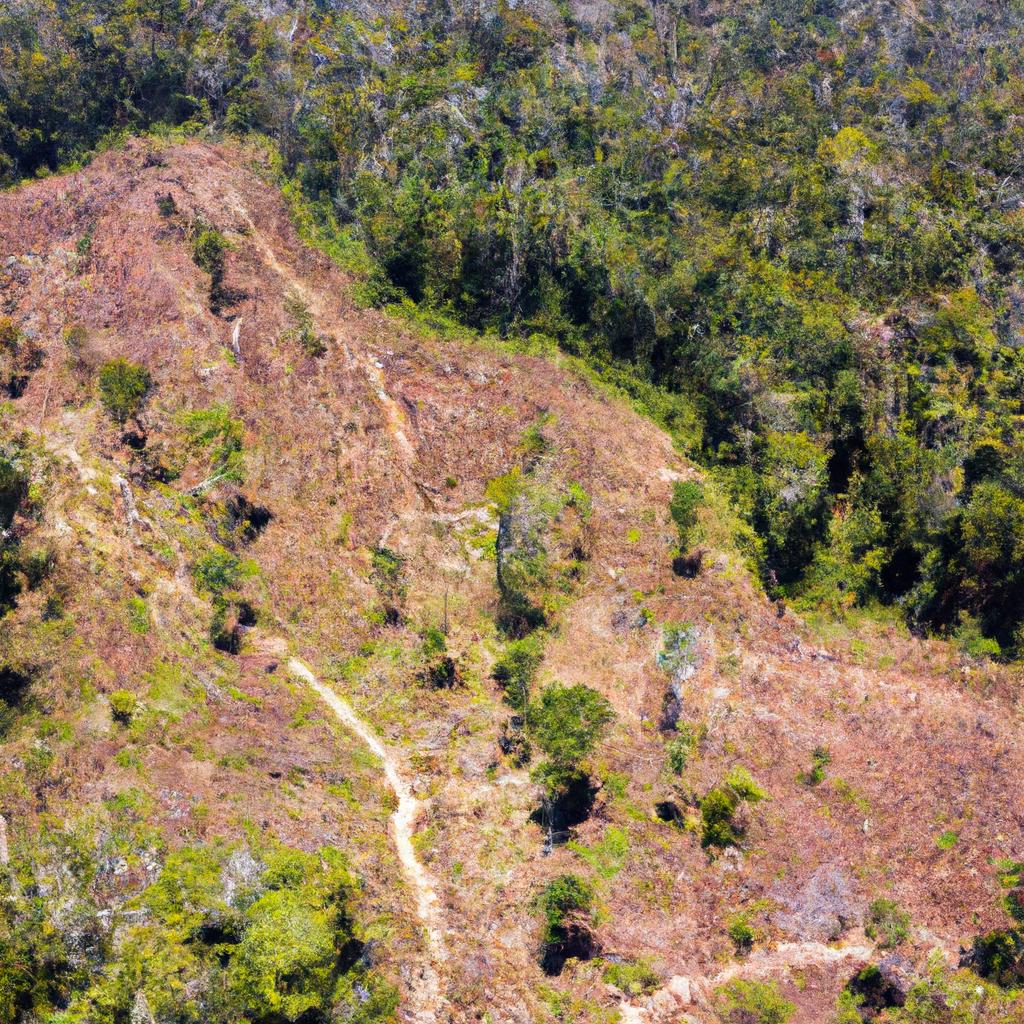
(426, 988)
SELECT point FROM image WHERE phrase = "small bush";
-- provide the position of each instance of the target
(166, 206)
(717, 809)
(122, 706)
(516, 669)
(123, 389)
(815, 775)
(888, 923)
(679, 749)
(208, 251)
(563, 897)
(741, 931)
(635, 979)
(752, 1002)
(687, 498)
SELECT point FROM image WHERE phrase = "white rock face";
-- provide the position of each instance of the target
(679, 988)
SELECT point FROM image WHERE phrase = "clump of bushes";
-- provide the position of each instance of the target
(636, 978)
(888, 923)
(752, 1002)
(123, 388)
(719, 827)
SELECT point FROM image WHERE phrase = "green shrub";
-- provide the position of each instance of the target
(516, 669)
(123, 389)
(561, 898)
(888, 923)
(687, 498)
(217, 571)
(209, 248)
(122, 706)
(741, 931)
(637, 978)
(752, 1002)
(815, 775)
(566, 722)
(717, 809)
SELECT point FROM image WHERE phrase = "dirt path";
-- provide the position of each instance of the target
(426, 988)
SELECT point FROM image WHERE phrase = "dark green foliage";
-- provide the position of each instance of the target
(123, 389)
(566, 723)
(888, 923)
(999, 957)
(562, 897)
(217, 571)
(815, 775)
(209, 250)
(719, 806)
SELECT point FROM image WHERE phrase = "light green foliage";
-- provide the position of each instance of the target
(215, 434)
(741, 931)
(123, 389)
(888, 923)
(122, 705)
(752, 1002)
(635, 978)
(943, 996)
(718, 828)
(679, 749)
(566, 723)
(138, 615)
(608, 855)
(517, 667)
(947, 840)
(218, 571)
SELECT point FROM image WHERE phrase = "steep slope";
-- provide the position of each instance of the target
(340, 495)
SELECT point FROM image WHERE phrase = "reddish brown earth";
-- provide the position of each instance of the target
(391, 437)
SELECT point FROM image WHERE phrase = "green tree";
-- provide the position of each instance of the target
(566, 722)
(123, 389)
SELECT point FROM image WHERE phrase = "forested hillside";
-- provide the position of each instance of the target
(802, 218)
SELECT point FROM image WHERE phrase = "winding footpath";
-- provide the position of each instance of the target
(426, 987)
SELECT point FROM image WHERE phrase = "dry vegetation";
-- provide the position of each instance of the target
(390, 439)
